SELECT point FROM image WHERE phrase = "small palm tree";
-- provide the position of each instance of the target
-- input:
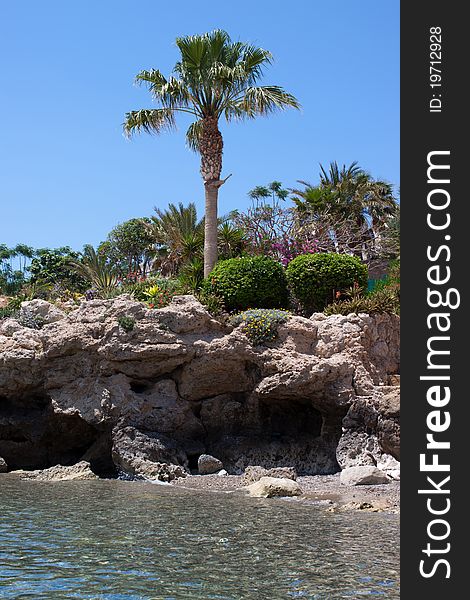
(178, 235)
(94, 268)
(215, 78)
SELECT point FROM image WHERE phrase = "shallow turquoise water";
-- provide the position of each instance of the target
(117, 540)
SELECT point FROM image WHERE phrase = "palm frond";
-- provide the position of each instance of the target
(153, 78)
(152, 120)
(193, 135)
(263, 100)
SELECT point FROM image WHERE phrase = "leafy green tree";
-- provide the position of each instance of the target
(129, 247)
(53, 267)
(14, 267)
(215, 78)
(25, 254)
(348, 192)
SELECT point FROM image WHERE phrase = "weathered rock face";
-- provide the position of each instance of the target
(181, 384)
(40, 308)
(147, 455)
(254, 473)
(79, 472)
(371, 429)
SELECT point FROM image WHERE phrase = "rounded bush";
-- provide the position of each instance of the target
(248, 282)
(315, 279)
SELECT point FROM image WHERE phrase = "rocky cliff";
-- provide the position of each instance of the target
(151, 400)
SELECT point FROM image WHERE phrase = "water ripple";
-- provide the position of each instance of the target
(118, 540)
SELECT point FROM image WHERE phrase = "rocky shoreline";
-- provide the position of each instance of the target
(152, 400)
(324, 490)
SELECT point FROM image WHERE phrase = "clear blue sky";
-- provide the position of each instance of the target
(67, 175)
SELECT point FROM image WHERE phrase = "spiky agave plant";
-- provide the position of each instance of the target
(215, 78)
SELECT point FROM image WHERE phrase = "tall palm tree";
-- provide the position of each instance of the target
(215, 78)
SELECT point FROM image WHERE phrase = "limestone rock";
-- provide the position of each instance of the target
(185, 314)
(155, 471)
(80, 471)
(207, 464)
(255, 473)
(363, 476)
(3, 465)
(371, 428)
(316, 396)
(45, 310)
(390, 466)
(9, 326)
(269, 487)
(149, 455)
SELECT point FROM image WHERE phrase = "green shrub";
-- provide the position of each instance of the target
(316, 279)
(248, 282)
(260, 325)
(127, 323)
(8, 312)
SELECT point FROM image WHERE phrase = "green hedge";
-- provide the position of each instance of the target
(314, 279)
(248, 282)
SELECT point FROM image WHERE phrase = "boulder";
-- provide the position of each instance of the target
(363, 476)
(3, 466)
(207, 464)
(254, 473)
(45, 310)
(154, 471)
(149, 455)
(269, 487)
(390, 466)
(185, 314)
(78, 472)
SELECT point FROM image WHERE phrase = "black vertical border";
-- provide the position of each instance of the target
(421, 133)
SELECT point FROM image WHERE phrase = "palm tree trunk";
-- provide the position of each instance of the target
(211, 148)
(210, 228)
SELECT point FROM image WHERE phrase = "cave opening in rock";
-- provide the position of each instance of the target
(193, 462)
(272, 432)
(139, 387)
(33, 436)
(287, 418)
